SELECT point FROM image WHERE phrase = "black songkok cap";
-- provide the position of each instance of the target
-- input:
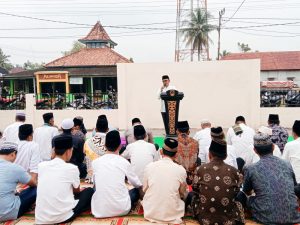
(170, 145)
(25, 130)
(135, 120)
(47, 117)
(63, 142)
(77, 122)
(164, 77)
(240, 119)
(296, 126)
(218, 148)
(217, 132)
(273, 117)
(112, 140)
(183, 125)
(139, 130)
(102, 125)
(102, 117)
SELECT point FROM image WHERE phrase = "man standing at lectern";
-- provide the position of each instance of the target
(166, 86)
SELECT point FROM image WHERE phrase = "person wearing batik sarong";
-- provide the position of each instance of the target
(215, 187)
(94, 147)
(187, 151)
(270, 183)
(279, 134)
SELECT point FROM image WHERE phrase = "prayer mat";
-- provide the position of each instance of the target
(135, 217)
(90, 220)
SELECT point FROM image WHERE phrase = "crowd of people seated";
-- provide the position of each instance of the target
(217, 177)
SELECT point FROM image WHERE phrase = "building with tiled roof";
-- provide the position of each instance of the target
(275, 66)
(92, 69)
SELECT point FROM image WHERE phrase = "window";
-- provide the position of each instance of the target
(290, 78)
(271, 78)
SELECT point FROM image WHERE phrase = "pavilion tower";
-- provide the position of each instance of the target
(98, 38)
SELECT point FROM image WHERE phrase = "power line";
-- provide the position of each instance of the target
(266, 35)
(265, 25)
(235, 12)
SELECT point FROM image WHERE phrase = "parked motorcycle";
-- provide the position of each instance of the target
(292, 99)
(269, 99)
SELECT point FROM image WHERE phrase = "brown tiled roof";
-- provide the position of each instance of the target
(97, 33)
(16, 70)
(89, 57)
(271, 61)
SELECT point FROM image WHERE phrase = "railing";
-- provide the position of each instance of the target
(280, 98)
(58, 101)
(12, 102)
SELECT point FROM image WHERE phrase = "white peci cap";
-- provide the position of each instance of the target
(67, 124)
(265, 130)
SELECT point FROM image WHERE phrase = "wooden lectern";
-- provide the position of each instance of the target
(172, 99)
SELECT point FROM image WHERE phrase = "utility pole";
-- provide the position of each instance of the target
(221, 13)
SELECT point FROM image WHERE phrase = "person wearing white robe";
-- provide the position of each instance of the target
(10, 133)
(204, 139)
(28, 155)
(240, 136)
(166, 87)
(43, 136)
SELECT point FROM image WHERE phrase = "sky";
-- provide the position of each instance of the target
(143, 29)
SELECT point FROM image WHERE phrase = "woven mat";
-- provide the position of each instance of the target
(135, 217)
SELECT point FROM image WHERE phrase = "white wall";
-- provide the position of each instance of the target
(216, 90)
(281, 75)
(287, 115)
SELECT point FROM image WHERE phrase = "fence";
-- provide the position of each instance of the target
(61, 101)
(280, 98)
(9, 102)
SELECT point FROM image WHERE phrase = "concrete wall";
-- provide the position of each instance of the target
(218, 91)
(287, 115)
(35, 117)
(281, 75)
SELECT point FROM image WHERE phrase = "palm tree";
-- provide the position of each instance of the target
(196, 33)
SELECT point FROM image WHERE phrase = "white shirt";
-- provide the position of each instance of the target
(11, 132)
(242, 142)
(165, 89)
(111, 197)
(43, 137)
(291, 153)
(162, 202)
(55, 199)
(140, 153)
(230, 159)
(28, 156)
(276, 153)
(204, 139)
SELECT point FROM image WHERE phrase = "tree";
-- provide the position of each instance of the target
(77, 46)
(196, 33)
(32, 66)
(244, 47)
(4, 61)
(224, 53)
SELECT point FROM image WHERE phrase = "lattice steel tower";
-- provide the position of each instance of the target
(184, 10)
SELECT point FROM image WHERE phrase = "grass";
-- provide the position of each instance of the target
(160, 140)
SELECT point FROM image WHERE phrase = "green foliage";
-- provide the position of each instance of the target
(224, 53)
(33, 66)
(244, 47)
(4, 61)
(196, 33)
(77, 46)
